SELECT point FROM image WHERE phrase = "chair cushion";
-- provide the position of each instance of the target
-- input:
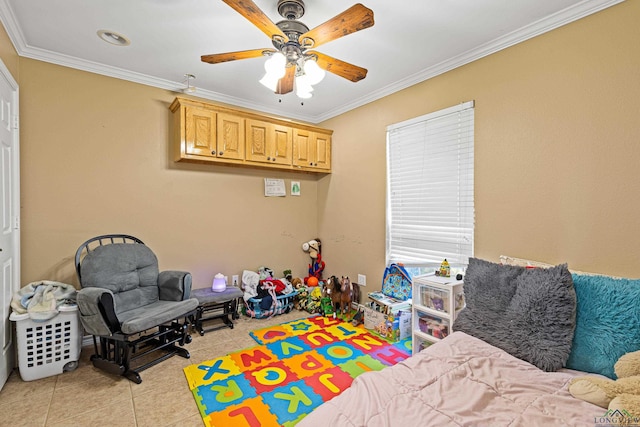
(154, 314)
(128, 270)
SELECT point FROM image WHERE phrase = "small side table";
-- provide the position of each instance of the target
(224, 305)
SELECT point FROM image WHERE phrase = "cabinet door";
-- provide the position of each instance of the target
(281, 144)
(302, 150)
(322, 151)
(200, 131)
(268, 143)
(311, 149)
(230, 137)
(257, 141)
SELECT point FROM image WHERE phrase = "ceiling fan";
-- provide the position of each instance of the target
(291, 60)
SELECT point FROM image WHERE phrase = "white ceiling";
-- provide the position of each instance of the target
(411, 41)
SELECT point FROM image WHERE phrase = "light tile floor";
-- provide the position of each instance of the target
(90, 397)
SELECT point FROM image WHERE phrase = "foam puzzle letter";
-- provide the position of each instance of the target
(270, 376)
(325, 381)
(247, 414)
(367, 342)
(256, 357)
(294, 399)
(287, 347)
(227, 393)
(319, 338)
(311, 363)
(211, 370)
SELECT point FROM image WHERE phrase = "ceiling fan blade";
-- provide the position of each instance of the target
(356, 18)
(339, 67)
(285, 84)
(252, 12)
(217, 58)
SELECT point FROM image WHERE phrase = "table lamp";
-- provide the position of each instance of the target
(219, 283)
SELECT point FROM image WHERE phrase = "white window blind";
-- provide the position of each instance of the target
(430, 213)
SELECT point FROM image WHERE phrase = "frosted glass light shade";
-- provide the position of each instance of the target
(275, 70)
(314, 73)
(219, 284)
(303, 87)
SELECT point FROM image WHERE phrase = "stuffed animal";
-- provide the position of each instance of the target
(300, 302)
(622, 394)
(317, 265)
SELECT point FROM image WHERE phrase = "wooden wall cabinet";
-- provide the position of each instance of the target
(200, 132)
(311, 149)
(208, 133)
(269, 143)
(230, 136)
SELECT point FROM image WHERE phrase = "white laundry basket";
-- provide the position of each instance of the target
(50, 347)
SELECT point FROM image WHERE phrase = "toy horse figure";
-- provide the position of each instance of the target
(343, 293)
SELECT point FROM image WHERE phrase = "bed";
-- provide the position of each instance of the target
(487, 374)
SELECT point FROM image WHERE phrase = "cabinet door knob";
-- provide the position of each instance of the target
(268, 158)
(220, 153)
(213, 152)
(274, 159)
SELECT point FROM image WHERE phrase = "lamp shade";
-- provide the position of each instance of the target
(314, 73)
(219, 283)
(303, 87)
(275, 70)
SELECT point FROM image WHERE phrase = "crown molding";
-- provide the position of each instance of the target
(563, 17)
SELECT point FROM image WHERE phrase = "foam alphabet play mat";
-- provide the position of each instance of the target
(297, 366)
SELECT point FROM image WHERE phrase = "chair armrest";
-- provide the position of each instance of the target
(174, 285)
(97, 311)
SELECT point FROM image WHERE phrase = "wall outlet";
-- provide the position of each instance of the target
(362, 280)
(234, 280)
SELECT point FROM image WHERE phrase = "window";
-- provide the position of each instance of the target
(430, 212)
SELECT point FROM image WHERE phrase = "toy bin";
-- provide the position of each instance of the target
(284, 304)
(50, 347)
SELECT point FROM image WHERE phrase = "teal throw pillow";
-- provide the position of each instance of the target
(607, 323)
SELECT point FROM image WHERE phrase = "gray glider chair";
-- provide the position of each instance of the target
(138, 316)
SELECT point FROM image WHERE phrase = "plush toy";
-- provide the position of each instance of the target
(317, 265)
(300, 302)
(622, 394)
(313, 303)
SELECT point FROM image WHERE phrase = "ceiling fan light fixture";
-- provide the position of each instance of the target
(303, 87)
(275, 70)
(313, 72)
(270, 82)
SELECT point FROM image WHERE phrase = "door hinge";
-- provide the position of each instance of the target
(16, 223)
(16, 121)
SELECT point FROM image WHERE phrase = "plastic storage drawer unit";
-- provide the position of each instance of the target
(50, 347)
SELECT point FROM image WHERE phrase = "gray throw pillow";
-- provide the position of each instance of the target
(528, 312)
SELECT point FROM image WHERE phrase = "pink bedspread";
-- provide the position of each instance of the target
(460, 381)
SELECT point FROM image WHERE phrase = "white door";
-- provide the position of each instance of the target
(9, 214)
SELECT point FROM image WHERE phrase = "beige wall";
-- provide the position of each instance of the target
(557, 152)
(95, 160)
(9, 55)
(556, 155)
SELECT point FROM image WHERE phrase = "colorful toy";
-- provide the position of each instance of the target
(312, 281)
(326, 307)
(342, 293)
(317, 265)
(300, 302)
(313, 302)
(621, 395)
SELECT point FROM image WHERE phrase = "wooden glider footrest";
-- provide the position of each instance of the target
(217, 305)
